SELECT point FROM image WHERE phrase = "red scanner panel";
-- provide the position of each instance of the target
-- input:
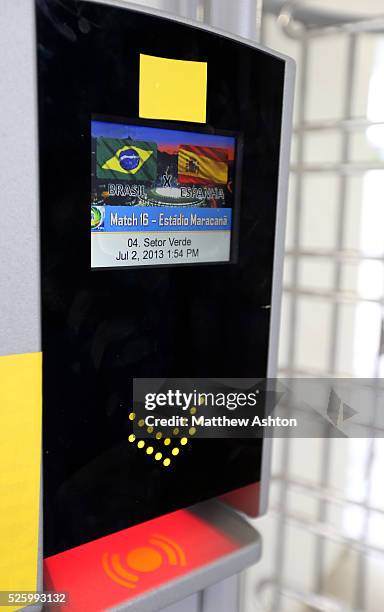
(126, 564)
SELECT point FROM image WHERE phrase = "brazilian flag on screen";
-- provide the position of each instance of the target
(127, 160)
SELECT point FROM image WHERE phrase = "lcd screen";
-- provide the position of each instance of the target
(161, 196)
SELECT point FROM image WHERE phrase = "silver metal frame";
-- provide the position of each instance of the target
(278, 264)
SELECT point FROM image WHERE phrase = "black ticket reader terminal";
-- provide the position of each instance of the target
(163, 151)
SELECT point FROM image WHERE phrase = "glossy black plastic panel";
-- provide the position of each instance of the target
(101, 328)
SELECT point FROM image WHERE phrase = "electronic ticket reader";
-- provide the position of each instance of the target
(144, 167)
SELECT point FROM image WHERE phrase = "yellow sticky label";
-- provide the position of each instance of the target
(20, 458)
(172, 89)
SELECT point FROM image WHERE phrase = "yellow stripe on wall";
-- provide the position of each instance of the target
(20, 455)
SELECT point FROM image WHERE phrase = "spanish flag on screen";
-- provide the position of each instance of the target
(126, 159)
(205, 165)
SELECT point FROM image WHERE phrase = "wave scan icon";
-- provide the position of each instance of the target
(143, 560)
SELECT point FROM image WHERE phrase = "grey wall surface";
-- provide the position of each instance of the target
(19, 235)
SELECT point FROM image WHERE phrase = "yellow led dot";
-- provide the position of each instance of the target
(158, 456)
(176, 431)
(159, 435)
(193, 410)
(132, 438)
(183, 441)
(167, 441)
(192, 431)
(150, 429)
(201, 401)
(175, 451)
(149, 450)
(132, 416)
(141, 444)
(166, 462)
(141, 423)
